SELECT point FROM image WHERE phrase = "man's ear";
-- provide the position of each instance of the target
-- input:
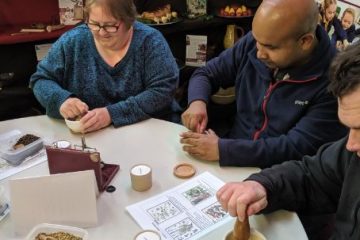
(306, 41)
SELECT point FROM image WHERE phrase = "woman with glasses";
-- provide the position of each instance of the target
(110, 70)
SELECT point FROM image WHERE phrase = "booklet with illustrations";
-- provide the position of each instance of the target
(187, 211)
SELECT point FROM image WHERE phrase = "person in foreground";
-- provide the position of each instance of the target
(111, 70)
(283, 108)
(328, 182)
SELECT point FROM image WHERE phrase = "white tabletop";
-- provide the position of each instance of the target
(153, 142)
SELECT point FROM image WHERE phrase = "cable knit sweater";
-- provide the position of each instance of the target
(140, 86)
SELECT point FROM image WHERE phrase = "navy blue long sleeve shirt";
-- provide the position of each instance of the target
(275, 121)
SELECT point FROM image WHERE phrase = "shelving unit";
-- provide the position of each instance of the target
(213, 27)
(17, 14)
(209, 22)
(12, 35)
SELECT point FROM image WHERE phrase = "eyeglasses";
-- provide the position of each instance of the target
(107, 28)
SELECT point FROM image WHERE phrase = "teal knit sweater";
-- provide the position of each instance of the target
(140, 86)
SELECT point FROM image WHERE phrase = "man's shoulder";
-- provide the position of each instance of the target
(249, 39)
(246, 45)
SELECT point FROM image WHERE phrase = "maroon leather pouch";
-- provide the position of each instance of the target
(62, 160)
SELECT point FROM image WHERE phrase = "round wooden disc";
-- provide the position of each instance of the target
(184, 170)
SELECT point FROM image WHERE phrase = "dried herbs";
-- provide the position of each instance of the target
(25, 140)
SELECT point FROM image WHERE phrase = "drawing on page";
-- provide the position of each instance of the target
(183, 229)
(163, 211)
(215, 212)
(197, 194)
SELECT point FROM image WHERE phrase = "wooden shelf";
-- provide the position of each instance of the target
(194, 24)
(12, 35)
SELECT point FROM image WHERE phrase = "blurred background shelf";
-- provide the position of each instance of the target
(18, 58)
(12, 35)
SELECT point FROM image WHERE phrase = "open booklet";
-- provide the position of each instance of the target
(187, 211)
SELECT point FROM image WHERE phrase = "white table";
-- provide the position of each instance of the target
(155, 143)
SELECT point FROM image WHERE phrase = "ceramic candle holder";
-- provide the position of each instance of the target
(141, 179)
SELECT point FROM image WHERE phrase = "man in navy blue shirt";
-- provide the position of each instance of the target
(279, 71)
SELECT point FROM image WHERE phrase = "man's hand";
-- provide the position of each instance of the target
(195, 118)
(242, 199)
(95, 119)
(201, 146)
(73, 107)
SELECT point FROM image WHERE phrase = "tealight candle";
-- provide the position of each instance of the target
(62, 144)
(141, 177)
(148, 235)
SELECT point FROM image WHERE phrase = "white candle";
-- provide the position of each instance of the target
(140, 170)
(141, 177)
(62, 144)
(148, 235)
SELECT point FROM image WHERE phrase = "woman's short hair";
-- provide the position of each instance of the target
(123, 10)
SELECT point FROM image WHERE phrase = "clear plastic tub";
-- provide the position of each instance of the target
(17, 156)
(48, 228)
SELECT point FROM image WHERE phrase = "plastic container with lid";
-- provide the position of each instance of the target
(48, 228)
(17, 156)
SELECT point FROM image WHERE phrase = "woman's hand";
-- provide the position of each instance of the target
(95, 119)
(72, 108)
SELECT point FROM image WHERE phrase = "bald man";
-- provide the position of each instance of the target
(279, 71)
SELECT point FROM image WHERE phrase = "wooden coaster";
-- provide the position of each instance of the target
(184, 170)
